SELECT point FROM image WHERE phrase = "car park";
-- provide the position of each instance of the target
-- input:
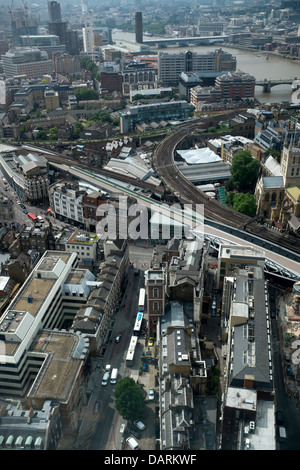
(139, 425)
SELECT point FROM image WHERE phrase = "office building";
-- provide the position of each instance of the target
(27, 173)
(249, 396)
(54, 12)
(28, 61)
(170, 111)
(170, 66)
(38, 368)
(139, 27)
(49, 43)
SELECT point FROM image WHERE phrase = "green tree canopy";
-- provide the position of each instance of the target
(129, 399)
(244, 170)
(85, 94)
(242, 202)
(41, 135)
(89, 64)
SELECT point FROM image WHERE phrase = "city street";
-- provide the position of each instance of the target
(101, 430)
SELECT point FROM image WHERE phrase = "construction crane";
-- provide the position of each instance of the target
(26, 9)
(10, 9)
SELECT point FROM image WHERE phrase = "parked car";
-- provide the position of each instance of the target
(96, 408)
(279, 418)
(139, 425)
(134, 432)
(132, 443)
(151, 394)
(107, 367)
(151, 341)
(118, 338)
(145, 367)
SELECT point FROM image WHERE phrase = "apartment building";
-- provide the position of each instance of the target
(200, 95)
(29, 61)
(170, 66)
(66, 202)
(237, 85)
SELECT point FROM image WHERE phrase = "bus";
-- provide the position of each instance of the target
(32, 216)
(138, 324)
(141, 305)
(131, 351)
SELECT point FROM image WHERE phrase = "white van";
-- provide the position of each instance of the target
(114, 376)
(132, 443)
(105, 378)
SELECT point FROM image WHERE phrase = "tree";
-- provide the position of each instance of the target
(244, 170)
(53, 133)
(244, 203)
(41, 135)
(85, 94)
(129, 399)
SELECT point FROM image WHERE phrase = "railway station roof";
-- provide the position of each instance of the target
(206, 172)
(202, 155)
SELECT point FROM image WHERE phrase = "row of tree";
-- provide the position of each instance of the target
(241, 185)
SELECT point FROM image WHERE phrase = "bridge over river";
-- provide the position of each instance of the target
(268, 84)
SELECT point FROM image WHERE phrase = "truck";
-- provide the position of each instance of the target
(114, 376)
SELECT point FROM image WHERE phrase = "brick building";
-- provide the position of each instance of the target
(237, 85)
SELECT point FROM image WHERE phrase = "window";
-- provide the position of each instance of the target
(155, 306)
(155, 292)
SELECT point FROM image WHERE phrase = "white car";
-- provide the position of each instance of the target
(139, 425)
(107, 367)
(151, 394)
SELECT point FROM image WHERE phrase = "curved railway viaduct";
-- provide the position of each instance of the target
(163, 163)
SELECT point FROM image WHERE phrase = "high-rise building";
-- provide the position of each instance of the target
(139, 27)
(54, 12)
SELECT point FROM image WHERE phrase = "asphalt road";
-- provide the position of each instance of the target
(101, 430)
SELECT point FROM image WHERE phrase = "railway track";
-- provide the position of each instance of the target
(163, 163)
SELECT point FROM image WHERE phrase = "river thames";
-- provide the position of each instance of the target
(254, 63)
